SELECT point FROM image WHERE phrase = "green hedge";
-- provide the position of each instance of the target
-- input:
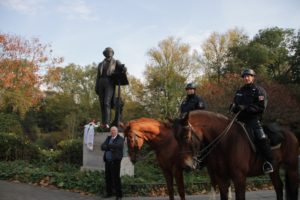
(71, 151)
(15, 147)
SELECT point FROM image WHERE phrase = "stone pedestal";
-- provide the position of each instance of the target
(93, 160)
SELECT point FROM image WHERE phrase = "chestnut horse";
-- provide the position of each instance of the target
(231, 157)
(161, 139)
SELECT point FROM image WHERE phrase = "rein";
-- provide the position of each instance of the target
(207, 149)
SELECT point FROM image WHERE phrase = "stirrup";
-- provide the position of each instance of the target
(267, 167)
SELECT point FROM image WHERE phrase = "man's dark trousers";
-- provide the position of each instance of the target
(112, 177)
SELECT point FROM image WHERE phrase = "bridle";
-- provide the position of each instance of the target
(200, 156)
(135, 141)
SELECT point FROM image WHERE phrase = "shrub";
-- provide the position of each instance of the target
(50, 156)
(51, 140)
(13, 147)
(10, 123)
(71, 151)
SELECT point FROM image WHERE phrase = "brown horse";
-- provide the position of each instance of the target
(231, 157)
(161, 139)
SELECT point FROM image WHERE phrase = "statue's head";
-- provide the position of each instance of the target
(108, 52)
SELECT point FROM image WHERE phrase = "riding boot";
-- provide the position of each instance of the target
(265, 148)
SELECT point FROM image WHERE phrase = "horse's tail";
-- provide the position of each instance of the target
(290, 160)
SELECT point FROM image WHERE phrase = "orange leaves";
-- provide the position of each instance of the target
(17, 73)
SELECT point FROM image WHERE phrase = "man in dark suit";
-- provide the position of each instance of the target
(113, 147)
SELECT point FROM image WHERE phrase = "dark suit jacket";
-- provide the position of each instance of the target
(116, 147)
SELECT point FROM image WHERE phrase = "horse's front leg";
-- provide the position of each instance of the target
(240, 187)
(277, 183)
(213, 194)
(179, 182)
(222, 184)
(169, 179)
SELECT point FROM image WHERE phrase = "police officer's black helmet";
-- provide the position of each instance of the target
(190, 86)
(248, 72)
(108, 49)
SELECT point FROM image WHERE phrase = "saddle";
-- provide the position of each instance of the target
(274, 133)
(272, 130)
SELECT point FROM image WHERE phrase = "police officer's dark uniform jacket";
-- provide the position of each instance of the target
(254, 99)
(192, 102)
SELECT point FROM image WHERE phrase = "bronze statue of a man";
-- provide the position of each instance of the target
(109, 73)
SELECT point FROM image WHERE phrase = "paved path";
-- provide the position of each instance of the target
(20, 191)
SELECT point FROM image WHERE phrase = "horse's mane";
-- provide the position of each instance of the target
(148, 125)
(144, 120)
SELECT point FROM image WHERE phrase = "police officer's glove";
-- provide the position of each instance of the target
(233, 108)
(241, 107)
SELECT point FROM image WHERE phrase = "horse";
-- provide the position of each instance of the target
(161, 139)
(229, 156)
(170, 160)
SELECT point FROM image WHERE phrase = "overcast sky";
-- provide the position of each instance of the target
(79, 30)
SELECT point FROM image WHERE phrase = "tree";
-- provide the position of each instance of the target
(295, 60)
(278, 43)
(22, 65)
(216, 51)
(251, 55)
(133, 96)
(71, 99)
(272, 53)
(170, 66)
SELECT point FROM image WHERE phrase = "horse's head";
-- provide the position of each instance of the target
(187, 139)
(135, 140)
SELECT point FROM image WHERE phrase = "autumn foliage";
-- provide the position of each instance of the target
(219, 95)
(283, 106)
(23, 63)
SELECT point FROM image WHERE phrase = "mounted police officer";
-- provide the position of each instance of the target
(251, 101)
(192, 101)
(107, 75)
